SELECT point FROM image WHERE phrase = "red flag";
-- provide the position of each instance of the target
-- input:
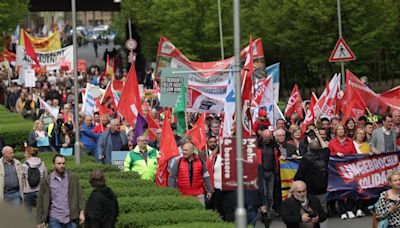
(392, 93)
(198, 133)
(355, 107)
(326, 105)
(375, 103)
(261, 90)
(295, 103)
(153, 126)
(168, 150)
(118, 85)
(247, 89)
(107, 103)
(129, 105)
(248, 65)
(310, 114)
(29, 48)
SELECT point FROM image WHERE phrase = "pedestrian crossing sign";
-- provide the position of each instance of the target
(342, 52)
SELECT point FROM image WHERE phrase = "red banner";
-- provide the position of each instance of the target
(375, 103)
(229, 175)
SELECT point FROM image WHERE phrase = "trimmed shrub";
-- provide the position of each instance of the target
(199, 225)
(157, 203)
(132, 220)
(14, 128)
(114, 183)
(134, 191)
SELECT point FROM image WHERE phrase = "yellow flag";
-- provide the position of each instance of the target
(44, 44)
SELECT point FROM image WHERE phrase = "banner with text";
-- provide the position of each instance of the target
(360, 176)
(211, 79)
(228, 157)
(55, 60)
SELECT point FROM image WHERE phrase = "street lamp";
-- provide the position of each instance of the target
(77, 147)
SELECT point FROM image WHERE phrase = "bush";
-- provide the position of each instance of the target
(199, 225)
(14, 128)
(132, 220)
(134, 191)
(114, 183)
(157, 203)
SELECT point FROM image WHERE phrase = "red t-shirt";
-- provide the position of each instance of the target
(346, 147)
(258, 123)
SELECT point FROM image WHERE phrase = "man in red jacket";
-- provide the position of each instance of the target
(189, 174)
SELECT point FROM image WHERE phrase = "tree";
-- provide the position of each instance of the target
(11, 13)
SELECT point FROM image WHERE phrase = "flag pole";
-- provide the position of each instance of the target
(240, 213)
(244, 79)
(186, 122)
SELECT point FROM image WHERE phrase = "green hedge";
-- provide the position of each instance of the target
(157, 218)
(114, 183)
(134, 191)
(157, 203)
(14, 128)
(198, 225)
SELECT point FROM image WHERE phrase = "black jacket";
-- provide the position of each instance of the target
(290, 211)
(101, 209)
(270, 154)
(313, 170)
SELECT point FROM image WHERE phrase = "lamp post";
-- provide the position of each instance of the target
(221, 36)
(340, 36)
(77, 148)
(240, 213)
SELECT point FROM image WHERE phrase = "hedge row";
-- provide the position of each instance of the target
(198, 225)
(14, 128)
(135, 191)
(156, 203)
(133, 220)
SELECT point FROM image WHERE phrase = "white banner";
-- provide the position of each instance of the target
(51, 60)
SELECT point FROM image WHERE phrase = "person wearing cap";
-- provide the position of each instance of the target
(261, 120)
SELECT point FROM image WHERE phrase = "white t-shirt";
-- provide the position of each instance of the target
(218, 172)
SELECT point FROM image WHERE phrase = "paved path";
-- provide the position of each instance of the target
(364, 222)
(87, 53)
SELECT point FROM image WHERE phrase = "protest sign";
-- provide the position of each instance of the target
(228, 157)
(55, 60)
(360, 176)
(29, 77)
(118, 158)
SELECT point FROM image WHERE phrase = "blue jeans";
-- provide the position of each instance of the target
(269, 181)
(30, 200)
(54, 223)
(13, 198)
(252, 213)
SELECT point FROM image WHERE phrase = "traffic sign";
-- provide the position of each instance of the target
(131, 44)
(342, 52)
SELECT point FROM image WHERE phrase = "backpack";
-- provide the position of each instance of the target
(33, 175)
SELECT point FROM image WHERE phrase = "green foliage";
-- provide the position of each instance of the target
(133, 220)
(11, 14)
(198, 225)
(13, 127)
(138, 191)
(156, 203)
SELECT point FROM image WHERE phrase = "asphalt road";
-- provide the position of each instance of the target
(364, 222)
(87, 53)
